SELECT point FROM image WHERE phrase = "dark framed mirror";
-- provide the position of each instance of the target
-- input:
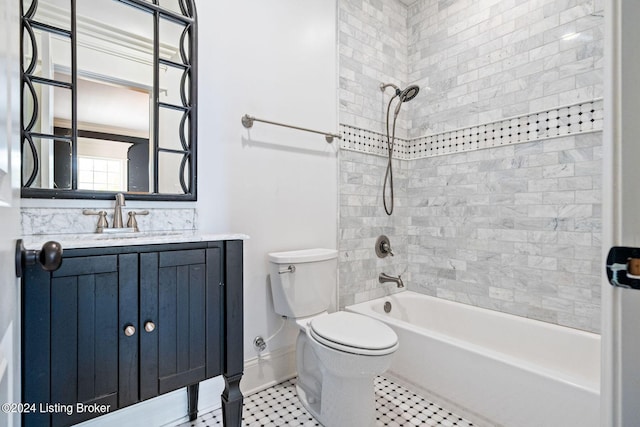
(109, 99)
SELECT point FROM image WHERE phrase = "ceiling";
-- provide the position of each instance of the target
(408, 2)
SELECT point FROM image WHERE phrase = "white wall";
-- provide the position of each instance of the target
(277, 61)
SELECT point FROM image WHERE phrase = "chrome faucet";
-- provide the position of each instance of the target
(384, 277)
(117, 212)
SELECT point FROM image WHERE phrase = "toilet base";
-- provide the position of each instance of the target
(334, 388)
(344, 403)
(348, 403)
(312, 408)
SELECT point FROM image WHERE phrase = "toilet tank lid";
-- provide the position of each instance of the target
(304, 255)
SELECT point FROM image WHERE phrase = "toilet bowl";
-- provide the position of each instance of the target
(339, 354)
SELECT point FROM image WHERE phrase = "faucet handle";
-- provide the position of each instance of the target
(102, 220)
(387, 248)
(383, 247)
(132, 222)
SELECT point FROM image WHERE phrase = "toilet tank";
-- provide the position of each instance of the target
(303, 282)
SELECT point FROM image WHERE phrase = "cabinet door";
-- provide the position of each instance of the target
(178, 291)
(86, 345)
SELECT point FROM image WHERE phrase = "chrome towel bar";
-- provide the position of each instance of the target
(247, 121)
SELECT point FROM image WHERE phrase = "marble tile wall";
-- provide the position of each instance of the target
(482, 61)
(515, 226)
(72, 221)
(515, 229)
(362, 220)
(372, 40)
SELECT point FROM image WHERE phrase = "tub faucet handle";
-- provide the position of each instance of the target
(383, 247)
(387, 248)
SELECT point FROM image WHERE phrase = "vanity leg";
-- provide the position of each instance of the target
(192, 398)
(232, 401)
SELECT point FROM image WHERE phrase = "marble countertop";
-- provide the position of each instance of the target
(99, 240)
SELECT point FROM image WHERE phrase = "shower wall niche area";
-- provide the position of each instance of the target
(499, 166)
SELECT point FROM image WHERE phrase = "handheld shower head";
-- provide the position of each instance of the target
(409, 93)
(403, 96)
(406, 95)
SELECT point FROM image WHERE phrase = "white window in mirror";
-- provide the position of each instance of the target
(102, 164)
(101, 174)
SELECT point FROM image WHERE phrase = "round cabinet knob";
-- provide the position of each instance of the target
(149, 326)
(129, 330)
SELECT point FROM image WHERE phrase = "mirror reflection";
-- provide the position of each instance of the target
(125, 141)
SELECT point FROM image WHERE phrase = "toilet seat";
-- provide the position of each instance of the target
(354, 333)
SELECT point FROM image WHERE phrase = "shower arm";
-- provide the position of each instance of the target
(383, 86)
(247, 122)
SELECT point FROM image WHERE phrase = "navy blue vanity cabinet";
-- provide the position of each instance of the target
(118, 325)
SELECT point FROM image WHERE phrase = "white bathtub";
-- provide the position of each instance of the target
(509, 370)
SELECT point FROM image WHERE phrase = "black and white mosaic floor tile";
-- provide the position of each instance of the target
(279, 406)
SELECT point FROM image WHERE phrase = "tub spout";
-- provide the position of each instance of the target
(384, 277)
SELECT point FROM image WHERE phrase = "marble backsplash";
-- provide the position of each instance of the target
(72, 221)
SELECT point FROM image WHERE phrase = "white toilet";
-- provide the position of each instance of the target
(337, 355)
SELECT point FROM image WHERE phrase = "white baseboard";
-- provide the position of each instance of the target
(262, 372)
(167, 410)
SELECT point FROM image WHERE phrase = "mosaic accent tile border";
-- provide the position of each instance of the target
(583, 117)
(365, 141)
